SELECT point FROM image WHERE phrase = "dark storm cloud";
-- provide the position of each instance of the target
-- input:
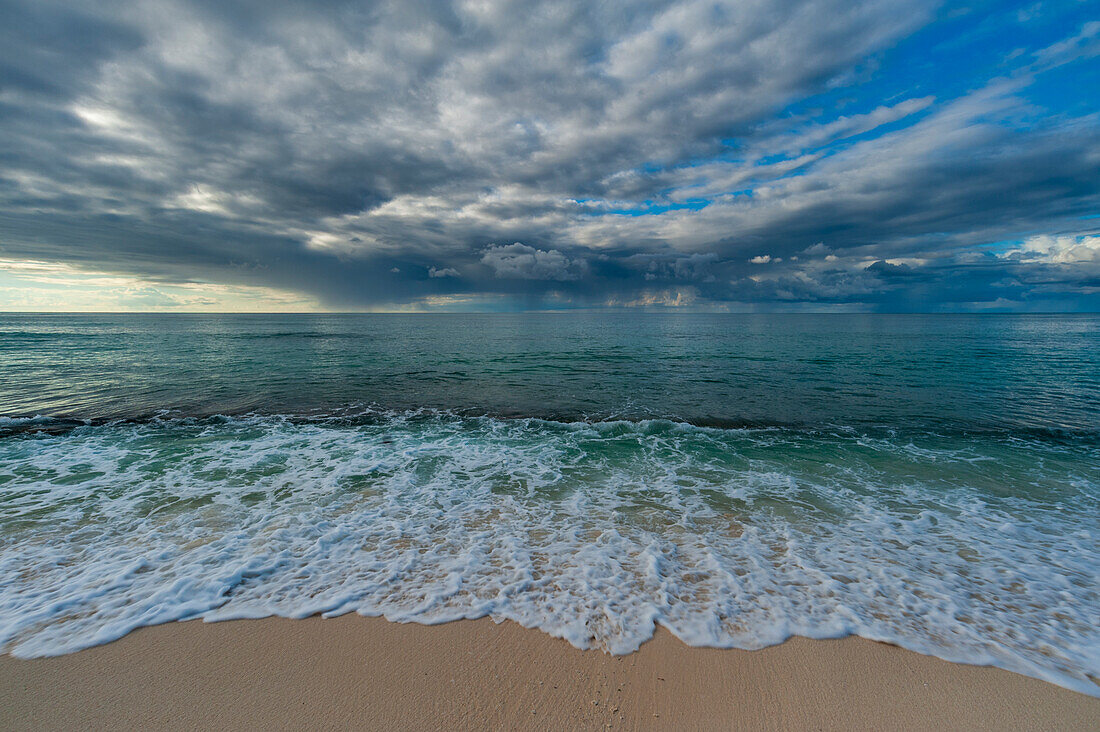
(646, 153)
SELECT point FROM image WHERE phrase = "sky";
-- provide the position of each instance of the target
(822, 155)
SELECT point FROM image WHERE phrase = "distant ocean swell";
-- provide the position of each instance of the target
(981, 548)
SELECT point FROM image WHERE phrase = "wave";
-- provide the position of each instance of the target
(979, 548)
(359, 415)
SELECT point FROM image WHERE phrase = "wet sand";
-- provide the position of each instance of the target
(367, 673)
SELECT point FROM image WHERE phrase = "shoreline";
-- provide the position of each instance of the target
(374, 674)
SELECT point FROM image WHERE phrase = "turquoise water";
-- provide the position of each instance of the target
(932, 481)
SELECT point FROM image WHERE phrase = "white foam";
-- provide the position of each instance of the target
(971, 549)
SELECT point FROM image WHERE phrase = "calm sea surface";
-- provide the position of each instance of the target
(932, 481)
(905, 371)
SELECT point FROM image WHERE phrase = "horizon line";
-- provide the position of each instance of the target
(551, 312)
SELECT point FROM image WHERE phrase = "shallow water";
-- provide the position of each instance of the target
(928, 481)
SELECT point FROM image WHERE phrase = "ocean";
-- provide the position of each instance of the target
(931, 481)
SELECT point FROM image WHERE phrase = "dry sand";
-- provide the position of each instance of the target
(370, 674)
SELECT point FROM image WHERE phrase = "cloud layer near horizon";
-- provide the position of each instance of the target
(818, 154)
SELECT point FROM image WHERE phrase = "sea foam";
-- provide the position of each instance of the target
(974, 548)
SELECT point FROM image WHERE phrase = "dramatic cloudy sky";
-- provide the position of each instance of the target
(496, 154)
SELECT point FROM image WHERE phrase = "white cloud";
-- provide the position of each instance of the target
(443, 272)
(844, 127)
(1064, 249)
(519, 261)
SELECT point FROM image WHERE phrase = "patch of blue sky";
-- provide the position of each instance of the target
(986, 41)
(650, 208)
(1001, 247)
(1068, 91)
(981, 42)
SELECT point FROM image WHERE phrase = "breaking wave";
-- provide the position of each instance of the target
(976, 548)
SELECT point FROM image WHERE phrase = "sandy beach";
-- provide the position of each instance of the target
(368, 673)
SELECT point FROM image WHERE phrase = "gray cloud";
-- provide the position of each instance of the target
(345, 149)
